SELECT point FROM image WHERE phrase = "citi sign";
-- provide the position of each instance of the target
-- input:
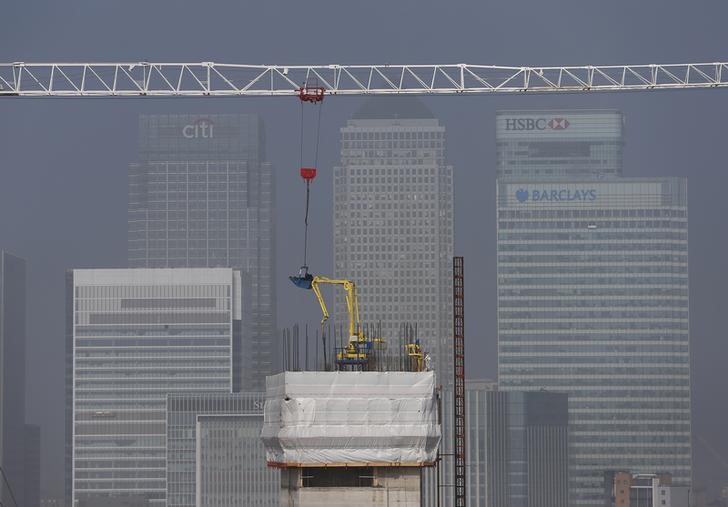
(560, 195)
(537, 124)
(200, 129)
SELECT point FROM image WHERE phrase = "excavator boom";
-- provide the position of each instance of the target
(307, 281)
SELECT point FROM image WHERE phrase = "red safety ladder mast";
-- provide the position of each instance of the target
(458, 300)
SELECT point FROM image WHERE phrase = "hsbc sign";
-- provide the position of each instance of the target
(537, 123)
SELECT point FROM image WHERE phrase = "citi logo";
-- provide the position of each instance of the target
(537, 124)
(200, 129)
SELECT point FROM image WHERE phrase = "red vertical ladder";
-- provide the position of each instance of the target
(458, 300)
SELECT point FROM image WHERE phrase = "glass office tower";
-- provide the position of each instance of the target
(517, 452)
(137, 335)
(12, 376)
(393, 230)
(214, 452)
(593, 300)
(202, 195)
(393, 222)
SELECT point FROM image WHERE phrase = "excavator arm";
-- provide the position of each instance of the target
(352, 304)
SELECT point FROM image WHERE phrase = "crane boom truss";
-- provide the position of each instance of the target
(231, 80)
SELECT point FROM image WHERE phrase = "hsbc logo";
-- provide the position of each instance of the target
(558, 123)
(200, 129)
(537, 124)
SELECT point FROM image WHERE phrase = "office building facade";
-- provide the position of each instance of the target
(566, 144)
(393, 222)
(517, 452)
(12, 377)
(202, 195)
(593, 300)
(137, 335)
(215, 456)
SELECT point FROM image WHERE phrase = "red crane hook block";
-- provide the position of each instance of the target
(308, 173)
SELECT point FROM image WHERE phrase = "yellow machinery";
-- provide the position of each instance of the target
(357, 350)
(359, 347)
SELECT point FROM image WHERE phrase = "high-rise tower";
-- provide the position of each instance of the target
(393, 222)
(202, 195)
(136, 336)
(593, 301)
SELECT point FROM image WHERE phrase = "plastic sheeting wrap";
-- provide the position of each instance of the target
(350, 419)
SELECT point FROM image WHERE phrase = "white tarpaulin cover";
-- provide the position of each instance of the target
(351, 418)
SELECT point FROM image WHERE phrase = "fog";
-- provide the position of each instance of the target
(63, 162)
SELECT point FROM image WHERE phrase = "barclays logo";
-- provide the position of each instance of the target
(561, 195)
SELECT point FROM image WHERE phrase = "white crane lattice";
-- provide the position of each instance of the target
(226, 80)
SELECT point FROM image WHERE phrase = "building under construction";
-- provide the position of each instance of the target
(355, 438)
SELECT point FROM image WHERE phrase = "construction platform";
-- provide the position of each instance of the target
(350, 437)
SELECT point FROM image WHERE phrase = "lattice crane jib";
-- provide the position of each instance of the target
(211, 79)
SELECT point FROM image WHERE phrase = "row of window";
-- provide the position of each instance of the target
(593, 213)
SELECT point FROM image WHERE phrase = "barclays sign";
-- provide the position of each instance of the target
(558, 195)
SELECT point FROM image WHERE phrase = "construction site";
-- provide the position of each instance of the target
(360, 415)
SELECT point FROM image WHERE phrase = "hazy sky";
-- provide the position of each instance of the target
(63, 162)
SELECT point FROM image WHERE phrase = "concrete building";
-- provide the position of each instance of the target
(215, 456)
(625, 489)
(12, 377)
(351, 438)
(517, 453)
(135, 336)
(567, 144)
(202, 195)
(593, 301)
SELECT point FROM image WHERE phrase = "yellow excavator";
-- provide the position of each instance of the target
(357, 351)
(359, 346)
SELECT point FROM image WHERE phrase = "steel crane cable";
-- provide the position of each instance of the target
(308, 180)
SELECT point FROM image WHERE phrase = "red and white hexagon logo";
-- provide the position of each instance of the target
(558, 123)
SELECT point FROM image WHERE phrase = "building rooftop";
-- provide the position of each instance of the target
(392, 108)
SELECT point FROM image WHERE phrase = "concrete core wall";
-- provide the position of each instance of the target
(351, 487)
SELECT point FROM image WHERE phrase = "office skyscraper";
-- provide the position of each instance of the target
(518, 447)
(214, 452)
(136, 336)
(593, 300)
(12, 376)
(393, 230)
(202, 195)
(393, 222)
(545, 144)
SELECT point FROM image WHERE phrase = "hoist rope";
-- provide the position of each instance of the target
(308, 181)
(305, 221)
